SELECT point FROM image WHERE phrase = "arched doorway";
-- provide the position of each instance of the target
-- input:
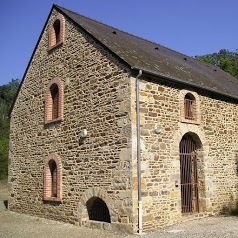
(98, 210)
(189, 175)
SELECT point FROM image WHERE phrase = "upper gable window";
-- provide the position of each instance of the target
(56, 26)
(54, 101)
(56, 32)
(190, 107)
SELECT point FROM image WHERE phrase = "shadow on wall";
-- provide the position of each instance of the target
(234, 211)
(232, 206)
(236, 162)
(5, 202)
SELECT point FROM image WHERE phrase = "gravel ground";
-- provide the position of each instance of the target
(220, 227)
(14, 225)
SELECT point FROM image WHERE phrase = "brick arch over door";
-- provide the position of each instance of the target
(198, 133)
(86, 196)
(48, 196)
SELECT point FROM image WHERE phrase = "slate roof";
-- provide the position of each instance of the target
(155, 59)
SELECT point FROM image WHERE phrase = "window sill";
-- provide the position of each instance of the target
(55, 46)
(52, 199)
(196, 122)
(59, 119)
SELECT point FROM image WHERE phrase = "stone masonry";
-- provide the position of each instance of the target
(216, 135)
(99, 95)
(96, 98)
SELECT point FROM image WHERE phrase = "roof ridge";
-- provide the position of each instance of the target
(139, 37)
(87, 17)
(115, 28)
(165, 61)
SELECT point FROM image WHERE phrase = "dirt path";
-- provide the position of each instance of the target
(14, 225)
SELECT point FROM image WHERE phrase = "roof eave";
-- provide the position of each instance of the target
(180, 81)
(157, 74)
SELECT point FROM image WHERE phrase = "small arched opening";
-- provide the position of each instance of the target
(98, 210)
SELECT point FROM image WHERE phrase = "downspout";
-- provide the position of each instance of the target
(138, 152)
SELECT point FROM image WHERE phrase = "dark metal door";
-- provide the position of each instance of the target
(188, 175)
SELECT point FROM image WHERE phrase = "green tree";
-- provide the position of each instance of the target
(224, 59)
(7, 95)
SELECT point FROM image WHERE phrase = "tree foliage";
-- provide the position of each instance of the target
(224, 59)
(7, 95)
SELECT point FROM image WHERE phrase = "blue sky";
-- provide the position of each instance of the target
(192, 27)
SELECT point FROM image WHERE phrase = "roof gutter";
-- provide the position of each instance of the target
(140, 210)
(177, 80)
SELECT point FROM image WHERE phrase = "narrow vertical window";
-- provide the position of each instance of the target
(53, 179)
(53, 172)
(55, 100)
(189, 107)
(56, 26)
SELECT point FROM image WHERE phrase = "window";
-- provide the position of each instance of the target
(53, 179)
(54, 101)
(54, 91)
(53, 173)
(56, 32)
(190, 107)
(56, 26)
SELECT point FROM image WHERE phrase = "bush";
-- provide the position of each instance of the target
(234, 212)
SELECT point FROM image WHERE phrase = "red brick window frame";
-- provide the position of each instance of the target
(54, 101)
(53, 179)
(189, 107)
(56, 32)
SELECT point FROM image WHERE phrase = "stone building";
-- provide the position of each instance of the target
(110, 130)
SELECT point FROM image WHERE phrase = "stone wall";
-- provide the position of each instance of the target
(99, 96)
(215, 133)
(96, 98)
